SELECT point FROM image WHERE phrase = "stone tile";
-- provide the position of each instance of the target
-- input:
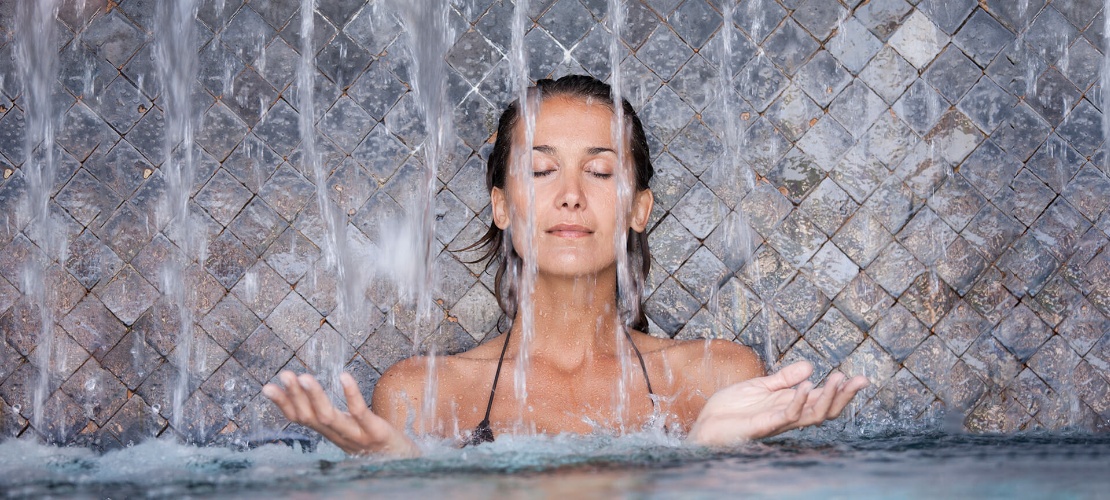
(856, 109)
(859, 173)
(1054, 363)
(899, 332)
(88, 200)
(736, 306)
(664, 53)
(952, 74)
(863, 301)
(671, 306)
(477, 311)
(257, 226)
(918, 40)
(1051, 34)
(93, 327)
(955, 136)
(798, 172)
(793, 113)
(982, 37)
(1054, 301)
(251, 96)
(230, 387)
(1053, 96)
(1082, 63)
(115, 38)
(956, 201)
(871, 361)
(1016, 17)
(766, 146)
(789, 46)
(820, 17)
(862, 237)
(797, 239)
(853, 44)
(989, 297)
(759, 82)
(63, 419)
(227, 259)
(700, 211)
(889, 140)
(800, 303)
(1081, 129)
(961, 327)
(127, 295)
(702, 274)
(262, 354)
(883, 17)
(948, 17)
(82, 131)
(223, 197)
(759, 18)
(920, 107)
(1059, 228)
(1083, 326)
(927, 237)
(1022, 332)
(928, 298)
(893, 203)
(895, 269)
(671, 244)
(294, 320)
(1027, 265)
(827, 141)
(828, 206)
(278, 128)
(832, 270)
(97, 391)
(220, 131)
(1016, 69)
(989, 168)
(822, 78)
(961, 264)
(696, 147)
(135, 422)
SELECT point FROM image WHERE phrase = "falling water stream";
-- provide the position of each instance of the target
(176, 47)
(37, 58)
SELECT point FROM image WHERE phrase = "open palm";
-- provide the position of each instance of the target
(765, 406)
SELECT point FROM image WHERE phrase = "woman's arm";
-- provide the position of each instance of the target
(357, 431)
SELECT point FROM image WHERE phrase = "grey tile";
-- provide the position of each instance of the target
(862, 237)
(991, 231)
(120, 104)
(1021, 332)
(223, 197)
(1023, 133)
(700, 211)
(823, 78)
(257, 226)
(1060, 228)
(122, 168)
(888, 74)
(793, 112)
(567, 21)
(279, 128)
(987, 105)
(956, 201)
(227, 259)
(696, 147)
(764, 146)
(343, 60)
(797, 173)
(832, 270)
(955, 136)
(918, 40)
(899, 332)
(859, 173)
(982, 37)
(1050, 35)
(1016, 69)
(1087, 192)
(93, 326)
(695, 21)
(701, 274)
(127, 231)
(127, 295)
(220, 131)
(1081, 129)
(1055, 163)
(1081, 65)
(1054, 96)
(948, 17)
(1027, 265)
(853, 45)
(759, 82)
(789, 46)
(828, 206)
(758, 18)
(883, 17)
(961, 327)
(820, 17)
(83, 131)
(800, 303)
(114, 37)
(472, 56)
(1015, 16)
(926, 236)
(246, 34)
(797, 239)
(88, 200)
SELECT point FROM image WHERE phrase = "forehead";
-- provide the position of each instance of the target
(573, 121)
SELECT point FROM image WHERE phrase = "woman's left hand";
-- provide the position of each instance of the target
(765, 406)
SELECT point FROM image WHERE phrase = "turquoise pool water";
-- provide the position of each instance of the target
(930, 465)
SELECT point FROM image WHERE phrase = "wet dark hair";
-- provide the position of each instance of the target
(498, 249)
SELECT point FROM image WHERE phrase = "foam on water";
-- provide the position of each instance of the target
(642, 465)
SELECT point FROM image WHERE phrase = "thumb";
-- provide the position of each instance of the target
(789, 376)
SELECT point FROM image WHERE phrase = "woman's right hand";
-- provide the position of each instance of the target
(357, 431)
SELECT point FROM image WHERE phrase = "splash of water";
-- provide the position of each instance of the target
(176, 49)
(37, 61)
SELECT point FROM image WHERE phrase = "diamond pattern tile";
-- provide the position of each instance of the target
(929, 207)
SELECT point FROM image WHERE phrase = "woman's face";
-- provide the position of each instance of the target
(576, 178)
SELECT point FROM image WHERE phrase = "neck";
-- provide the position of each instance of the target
(574, 317)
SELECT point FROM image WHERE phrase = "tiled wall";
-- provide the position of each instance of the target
(930, 204)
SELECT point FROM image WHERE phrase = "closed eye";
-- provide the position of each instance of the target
(542, 173)
(601, 175)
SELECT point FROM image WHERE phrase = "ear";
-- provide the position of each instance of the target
(641, 209)
(500, 206)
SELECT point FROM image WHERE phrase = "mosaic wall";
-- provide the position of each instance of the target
(929, 205)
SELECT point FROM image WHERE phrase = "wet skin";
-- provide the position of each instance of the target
(716, 390)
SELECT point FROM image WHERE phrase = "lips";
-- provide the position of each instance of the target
(569, 231)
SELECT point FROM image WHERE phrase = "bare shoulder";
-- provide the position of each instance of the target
(705, 363)
(402, 385)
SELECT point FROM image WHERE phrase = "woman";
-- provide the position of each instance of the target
(714, 391)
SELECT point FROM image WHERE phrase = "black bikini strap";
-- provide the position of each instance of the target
(483, 433)
(643, 366)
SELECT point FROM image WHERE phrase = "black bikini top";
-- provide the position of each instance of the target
(484, 434)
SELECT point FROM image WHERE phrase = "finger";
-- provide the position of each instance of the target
(278, 396)
(846, 392)
(794, 409)
(297, 396)
(820, 409)
(356, 406)
(323, 408)
(789, 376)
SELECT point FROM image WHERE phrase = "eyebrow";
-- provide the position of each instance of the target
(593, 151)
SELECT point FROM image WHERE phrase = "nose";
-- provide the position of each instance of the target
(571, 195)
